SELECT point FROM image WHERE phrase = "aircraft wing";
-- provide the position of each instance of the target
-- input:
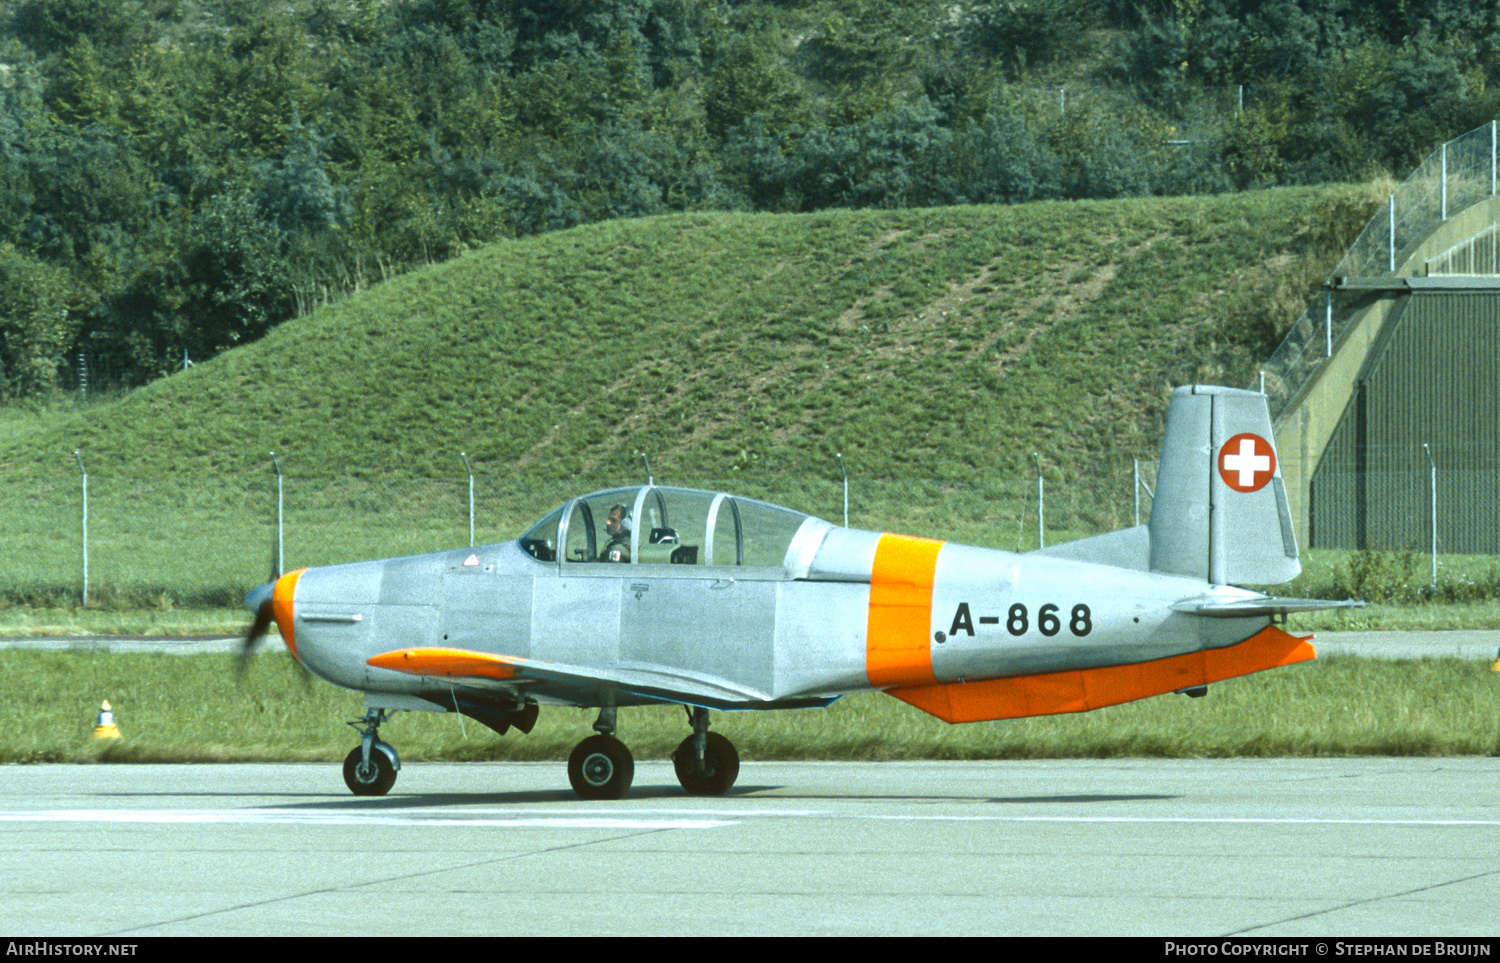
(650, 682)
(1263, 605)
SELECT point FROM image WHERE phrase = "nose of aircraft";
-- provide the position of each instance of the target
(271, 602)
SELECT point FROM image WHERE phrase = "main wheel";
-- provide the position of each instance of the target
(721, 766)
(601, 768)
(375, 779)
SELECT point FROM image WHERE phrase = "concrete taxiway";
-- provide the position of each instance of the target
(1316, 847)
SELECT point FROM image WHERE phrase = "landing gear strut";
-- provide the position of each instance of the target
(370, 769)
(600, 766)
(706, 763)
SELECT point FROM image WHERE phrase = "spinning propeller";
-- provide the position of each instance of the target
(260, 602)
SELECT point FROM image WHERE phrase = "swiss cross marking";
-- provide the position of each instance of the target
(1246, 462)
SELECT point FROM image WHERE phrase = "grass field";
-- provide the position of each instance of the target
(189, 709)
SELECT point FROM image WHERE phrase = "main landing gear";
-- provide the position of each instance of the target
(601, 767)
(706, 762)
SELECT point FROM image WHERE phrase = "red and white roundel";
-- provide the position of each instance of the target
(1247, 462)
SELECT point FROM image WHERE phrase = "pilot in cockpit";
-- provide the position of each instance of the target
(617, 530)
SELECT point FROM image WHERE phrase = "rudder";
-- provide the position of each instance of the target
(1220, 513)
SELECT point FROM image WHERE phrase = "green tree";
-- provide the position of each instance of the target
(230, 284)
(747, 76)
(49, 26)
(82, 92)
(38, 322)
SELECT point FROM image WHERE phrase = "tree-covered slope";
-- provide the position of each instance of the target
(177, 177)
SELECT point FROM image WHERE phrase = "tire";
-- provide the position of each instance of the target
(721, 766)
(601, 767)
(374, 780)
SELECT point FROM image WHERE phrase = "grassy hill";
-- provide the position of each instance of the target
(946, 348)
(923, 342)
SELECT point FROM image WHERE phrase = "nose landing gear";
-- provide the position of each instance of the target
(370, 769)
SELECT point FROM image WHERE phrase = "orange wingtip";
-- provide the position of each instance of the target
(1080, 690)
(435, 661)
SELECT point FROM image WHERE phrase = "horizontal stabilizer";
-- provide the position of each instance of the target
(1262, 606)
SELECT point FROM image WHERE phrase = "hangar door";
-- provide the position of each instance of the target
(1434, 379)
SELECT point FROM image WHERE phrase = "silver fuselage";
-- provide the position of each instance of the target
(777, 634)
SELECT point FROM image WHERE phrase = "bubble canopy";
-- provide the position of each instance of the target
(652, 525)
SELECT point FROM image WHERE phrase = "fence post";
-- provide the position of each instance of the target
(470, 471)
(845, 473)
(1139, 484)
(1432, 503)
(1327, 320)
(83, 473)
(1392, 218)
(1135, 487)
(1041, 504)
(1443, 160)
(277, 562)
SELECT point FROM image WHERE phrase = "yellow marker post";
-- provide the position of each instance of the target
(104, 724)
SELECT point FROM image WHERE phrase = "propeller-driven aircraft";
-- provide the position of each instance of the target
(709, 601)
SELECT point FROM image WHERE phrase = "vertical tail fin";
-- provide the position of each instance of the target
(1220, 512)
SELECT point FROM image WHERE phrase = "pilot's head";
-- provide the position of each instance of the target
(618, 520)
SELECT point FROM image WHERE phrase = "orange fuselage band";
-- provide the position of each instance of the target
(898, 649)
(1080, 690)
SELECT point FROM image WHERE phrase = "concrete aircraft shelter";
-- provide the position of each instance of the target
(1388, 411)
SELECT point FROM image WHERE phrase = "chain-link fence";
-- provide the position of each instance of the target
(130, 541)
(1407, 499)
(1185, 103)
(1458, 175)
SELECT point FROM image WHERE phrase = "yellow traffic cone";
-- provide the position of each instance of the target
(104, 725)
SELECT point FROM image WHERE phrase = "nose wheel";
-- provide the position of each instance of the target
(373, 778)
(370, 768)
